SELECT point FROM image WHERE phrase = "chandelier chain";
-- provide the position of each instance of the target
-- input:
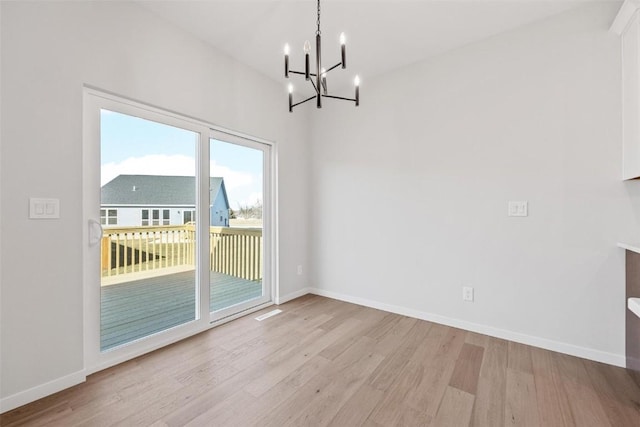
(318, 22)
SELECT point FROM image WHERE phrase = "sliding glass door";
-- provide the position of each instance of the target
(178, 227)
(239, 193)
(148, 249)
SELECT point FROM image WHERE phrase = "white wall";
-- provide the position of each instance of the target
(411, 189)
(49, 50)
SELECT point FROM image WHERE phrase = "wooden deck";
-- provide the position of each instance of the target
(136, 309)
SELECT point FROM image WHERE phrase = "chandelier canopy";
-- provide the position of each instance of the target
(320, 75)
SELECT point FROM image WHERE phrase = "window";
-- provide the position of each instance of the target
(188, 216)
(155, 215)
(108, 216)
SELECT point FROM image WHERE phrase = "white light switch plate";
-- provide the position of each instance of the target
(44, 208)
(518, 208)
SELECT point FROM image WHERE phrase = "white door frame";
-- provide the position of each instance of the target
(94, 100)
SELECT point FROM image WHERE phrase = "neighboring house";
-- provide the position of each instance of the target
(135, 200)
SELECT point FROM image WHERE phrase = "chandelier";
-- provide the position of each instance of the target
(320, 75)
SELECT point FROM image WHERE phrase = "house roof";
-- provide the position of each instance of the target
(157, 190)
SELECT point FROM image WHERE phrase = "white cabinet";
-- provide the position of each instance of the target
(627, 25)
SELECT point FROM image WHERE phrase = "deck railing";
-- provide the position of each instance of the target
(233, 251)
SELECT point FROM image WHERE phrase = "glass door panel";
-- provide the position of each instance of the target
(147, 211)
(236, 238)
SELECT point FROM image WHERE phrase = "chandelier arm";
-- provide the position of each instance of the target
(301, 73)
(314, 87)
(332, 68)
(339, 97)
(302, 102)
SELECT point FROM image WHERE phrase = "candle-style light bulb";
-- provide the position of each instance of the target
(343, 50)
(356, 81)
(290, 97)
(286, 60)
(307, 49)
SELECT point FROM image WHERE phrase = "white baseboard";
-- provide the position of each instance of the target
(570, 349)
(293, 295)
(38, 392)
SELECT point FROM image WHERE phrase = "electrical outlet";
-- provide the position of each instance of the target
(467, 293)
(299, 270)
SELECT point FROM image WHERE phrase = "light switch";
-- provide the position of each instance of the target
(44, 208)
(518, 208)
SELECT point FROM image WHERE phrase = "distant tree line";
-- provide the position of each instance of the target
(247, 211)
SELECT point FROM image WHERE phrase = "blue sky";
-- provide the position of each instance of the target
(130, 145)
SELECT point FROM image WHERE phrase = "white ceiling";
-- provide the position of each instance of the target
(381, 35)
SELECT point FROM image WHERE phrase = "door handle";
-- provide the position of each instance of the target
(95, 232)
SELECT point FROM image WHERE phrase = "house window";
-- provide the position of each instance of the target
(188, 216)
(152, 217)
(108, 216)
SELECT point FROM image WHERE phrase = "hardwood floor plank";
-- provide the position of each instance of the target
(422, 382)
(477, 339)
(347, 373)
(610, 397)
(437, 370)
(521, 407)
(191, 401)
(283, 366)
(282, 414)
(489, 406)
(284, 390)
(370, 317)
(553, 402)
(411, 418)
(467, 369)
(455, 409)
(520, 358)
(387, 372)
(390, 341)
(585, 404)
(391, 407)
(358, 408)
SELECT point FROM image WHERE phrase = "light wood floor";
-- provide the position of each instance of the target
(325, 362)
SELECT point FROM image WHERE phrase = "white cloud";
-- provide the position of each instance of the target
(152, 164)
(177, 165)
(232, 179)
